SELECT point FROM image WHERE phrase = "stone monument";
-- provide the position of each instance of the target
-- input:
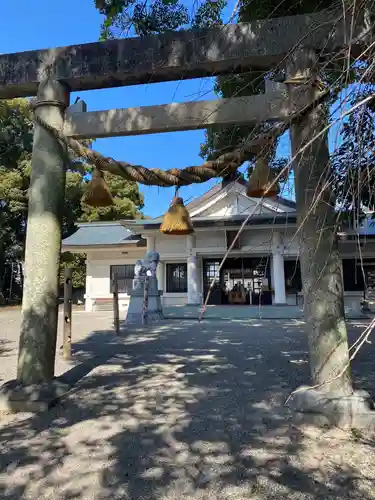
(145, 302)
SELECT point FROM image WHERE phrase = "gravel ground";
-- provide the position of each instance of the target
(182, 411)
(10, 319)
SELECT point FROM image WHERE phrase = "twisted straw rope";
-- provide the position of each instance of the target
(225, 165)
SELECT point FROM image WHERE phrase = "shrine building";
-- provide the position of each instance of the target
(263, 267)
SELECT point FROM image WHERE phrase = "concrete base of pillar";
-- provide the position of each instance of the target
(34, 398)
(321, 409)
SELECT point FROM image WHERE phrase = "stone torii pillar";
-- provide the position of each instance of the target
(43, 240)
(37, 346)
(320, 259)
(333, 395)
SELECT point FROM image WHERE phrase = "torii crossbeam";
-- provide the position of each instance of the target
(181, 55)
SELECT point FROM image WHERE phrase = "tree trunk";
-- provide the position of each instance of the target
(319, 255)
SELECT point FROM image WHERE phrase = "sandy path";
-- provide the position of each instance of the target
(186, 411)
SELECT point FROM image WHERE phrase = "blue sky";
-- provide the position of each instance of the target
(49, 23)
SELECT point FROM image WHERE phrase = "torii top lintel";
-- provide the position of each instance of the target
(177, 55)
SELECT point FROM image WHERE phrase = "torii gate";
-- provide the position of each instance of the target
(295, 42)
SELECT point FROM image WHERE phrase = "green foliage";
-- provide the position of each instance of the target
(251, 82)
(123, 17)
(16, 132)
(77, 262)
(218, 137)
(208, 14)
(353, 161)
(15, 156)
(127, 202)
(144, 17)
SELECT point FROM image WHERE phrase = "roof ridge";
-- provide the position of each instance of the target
(100, 223)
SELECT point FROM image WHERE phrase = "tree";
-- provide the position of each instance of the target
(252, 82)
(15, 155)
(353, 159)
(77, 262)
(16, 133)
(143, 17)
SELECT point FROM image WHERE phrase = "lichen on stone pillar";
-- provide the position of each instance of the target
(43, 240)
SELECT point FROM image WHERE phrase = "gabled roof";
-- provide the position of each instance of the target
(215, 190)
(101, 234)
(210, 205)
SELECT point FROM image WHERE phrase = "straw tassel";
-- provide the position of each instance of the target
(260, 179)
(177, 219)
(97, 193)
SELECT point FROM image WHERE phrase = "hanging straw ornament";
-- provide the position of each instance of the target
(177, 219)
(261, 179)
(97, 193)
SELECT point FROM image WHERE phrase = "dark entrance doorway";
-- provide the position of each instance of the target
(241, 281)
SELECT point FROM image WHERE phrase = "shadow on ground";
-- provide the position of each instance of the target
(186, 411)
(5, 347)
(6, 350)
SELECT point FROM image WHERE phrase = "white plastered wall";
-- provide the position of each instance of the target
(98, 280)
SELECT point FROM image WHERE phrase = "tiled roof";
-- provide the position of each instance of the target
(232, 220)
(101, 233)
